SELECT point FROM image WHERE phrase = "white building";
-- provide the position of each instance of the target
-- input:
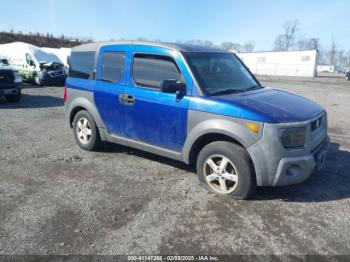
(285, 63)
(325, 68)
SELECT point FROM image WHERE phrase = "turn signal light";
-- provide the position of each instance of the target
(253, 127)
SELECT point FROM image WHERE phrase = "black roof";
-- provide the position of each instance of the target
(183, 47)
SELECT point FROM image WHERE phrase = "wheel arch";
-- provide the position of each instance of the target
(83, 103)
(206, 139)
(216, 129)
(73, 113)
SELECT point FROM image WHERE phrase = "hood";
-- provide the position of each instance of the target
(50, 65)
(267, 104)
(6, 67)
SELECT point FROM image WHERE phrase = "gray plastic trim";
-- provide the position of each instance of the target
(84, 99)
(267, 153)
(143, 146)
(201, 123)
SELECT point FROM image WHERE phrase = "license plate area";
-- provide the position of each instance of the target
(320, 155)
(8, 91)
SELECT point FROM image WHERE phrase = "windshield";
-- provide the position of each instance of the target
(43, 56)
(220, 73)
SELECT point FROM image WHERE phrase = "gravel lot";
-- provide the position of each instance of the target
(57, 199)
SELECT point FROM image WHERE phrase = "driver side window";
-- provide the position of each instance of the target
(151, 70)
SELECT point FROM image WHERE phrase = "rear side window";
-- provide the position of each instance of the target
(112, 66)
(151, 70)
(81, 64)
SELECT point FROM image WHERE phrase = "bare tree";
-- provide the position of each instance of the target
(304, 44)
(200, 42)
(301, 43)
(286, 40)
(248, 47)
(141, 39)
(231, 46)
(347, 61)
(340, 58)
(332, 53)
(314, 43)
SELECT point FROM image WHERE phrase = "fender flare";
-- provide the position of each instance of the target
(87, 105)
(225, 127)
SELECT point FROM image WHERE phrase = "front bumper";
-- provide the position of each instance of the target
(52, 80)
(276, 166)
(293, 170)
(9, 89)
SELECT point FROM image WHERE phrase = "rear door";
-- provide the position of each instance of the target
(110, 82)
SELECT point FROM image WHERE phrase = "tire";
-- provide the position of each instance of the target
(235, 174)
(37, 80)
(87, 140)
(14, 98)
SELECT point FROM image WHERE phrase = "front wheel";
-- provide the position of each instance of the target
(85, 131)
(224, 168)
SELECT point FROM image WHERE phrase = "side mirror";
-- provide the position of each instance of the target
(173, 86)
(5, 61)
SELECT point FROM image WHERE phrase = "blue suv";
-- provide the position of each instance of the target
(198, 105)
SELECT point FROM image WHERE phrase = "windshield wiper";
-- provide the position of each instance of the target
(252, 88)
(226, 91)
(234, 91)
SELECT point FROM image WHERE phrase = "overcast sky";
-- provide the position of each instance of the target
(171, 20)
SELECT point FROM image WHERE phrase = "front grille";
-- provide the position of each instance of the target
(56, 73)
(6, 76)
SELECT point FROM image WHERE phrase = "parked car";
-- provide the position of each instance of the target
(51, 73)
(198, 105)
(34, 64)
(10, 82)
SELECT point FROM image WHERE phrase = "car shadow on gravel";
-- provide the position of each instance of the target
(115, 148)
(33, 101)
(330, 184)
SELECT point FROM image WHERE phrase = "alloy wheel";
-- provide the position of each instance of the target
(220, 174)
(83, 130)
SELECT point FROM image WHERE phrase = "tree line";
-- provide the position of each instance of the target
(290, 38)
(41, 40)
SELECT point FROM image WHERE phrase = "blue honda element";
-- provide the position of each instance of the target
(198, 105)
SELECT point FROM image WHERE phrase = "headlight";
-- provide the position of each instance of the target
(293, 137)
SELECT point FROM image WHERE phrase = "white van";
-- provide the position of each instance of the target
(34, 63)
(62, 53)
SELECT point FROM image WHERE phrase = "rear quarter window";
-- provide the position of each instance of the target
(81, 64)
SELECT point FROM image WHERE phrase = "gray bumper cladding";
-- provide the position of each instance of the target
(277, 166)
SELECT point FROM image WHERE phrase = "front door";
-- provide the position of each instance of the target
(110, 82)
(151, 116)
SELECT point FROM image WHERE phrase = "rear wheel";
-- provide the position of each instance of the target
(14, 98)
(224, 168)
(85, 131)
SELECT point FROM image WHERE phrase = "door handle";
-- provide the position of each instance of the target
(127, 99)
